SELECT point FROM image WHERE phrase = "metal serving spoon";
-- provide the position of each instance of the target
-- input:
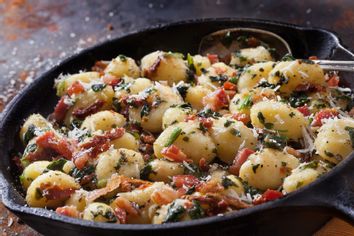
(227, 41)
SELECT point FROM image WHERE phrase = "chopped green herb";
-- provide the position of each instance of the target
(207, 113)
(261, 119)
(122, 58)
(145, 110)
(182, 90)
(233, 80)
(329, 153)
(311, 165)
(255, 167)
(298, 99)
(29, 133)
(226, 182)
(196, 212)
(98, 87)
(228, 123)
(146, 171)
(246, 102)
(288, 57)
(57, 164)
(274, 141)
(174, 213)
(291, 114)
(174, 135)
(235, 132)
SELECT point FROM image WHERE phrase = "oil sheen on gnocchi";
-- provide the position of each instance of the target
(174, 137)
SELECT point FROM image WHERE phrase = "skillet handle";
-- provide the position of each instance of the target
(333, 195)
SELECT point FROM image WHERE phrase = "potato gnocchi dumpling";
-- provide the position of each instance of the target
(163, 170)
(250, 56)
(100, 212)
(158, 99)
(173, 137)
(334, 141)
(123, 161)
(32, 171)
(164, 66)
(267, 169)
(33, 125)
(253, 74)
(123, 66)
(195, 96)
(278, 116)
(293, 75)
(200, 63)
(43, 191)
(304, 174)
(216, 75)
(174, 115)
(66, 82)
(103, 120)
(192, 141)
(229, 135)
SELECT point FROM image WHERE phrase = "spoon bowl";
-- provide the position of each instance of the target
(227, 41)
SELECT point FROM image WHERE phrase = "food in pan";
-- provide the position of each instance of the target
(176, 137)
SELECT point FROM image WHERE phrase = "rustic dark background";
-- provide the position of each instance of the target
(35, 35)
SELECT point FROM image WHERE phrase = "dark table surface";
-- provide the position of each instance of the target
(35, 35)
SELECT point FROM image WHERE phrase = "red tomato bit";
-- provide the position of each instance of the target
(240, 158)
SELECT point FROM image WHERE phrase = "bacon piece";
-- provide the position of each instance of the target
(113, 183)
(324, 114)
(164, 196)
(99, 66)
(70, 211)
(216, 100)
(216, 203)
(126, 205)
(210, 187)
(173, 153)
(190, 117)
(243, 117)
(304, 110)
(206, 122)
(111, 79)
(82, 113)
(147, 138)
(240, 158)
(213, 58)
(188, 181)
(49, 140)
(268, 195)
(75, 88)
(54, 192)
(293, 152)
(203, 165)
(60, 110)
(313, 58)
(229, 86)
(333, 81)
(97, 145)
(153, 68)
(121, 215)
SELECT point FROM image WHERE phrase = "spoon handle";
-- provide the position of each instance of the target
(336, 65)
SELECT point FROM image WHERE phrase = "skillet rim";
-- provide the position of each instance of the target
(7, 187)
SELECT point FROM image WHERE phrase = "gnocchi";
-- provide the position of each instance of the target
(174, 137)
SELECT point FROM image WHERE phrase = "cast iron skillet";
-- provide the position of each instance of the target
(301, 212)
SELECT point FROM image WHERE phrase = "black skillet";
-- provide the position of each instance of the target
(299, 213)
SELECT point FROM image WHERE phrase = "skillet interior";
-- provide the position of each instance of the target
(182, 37)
